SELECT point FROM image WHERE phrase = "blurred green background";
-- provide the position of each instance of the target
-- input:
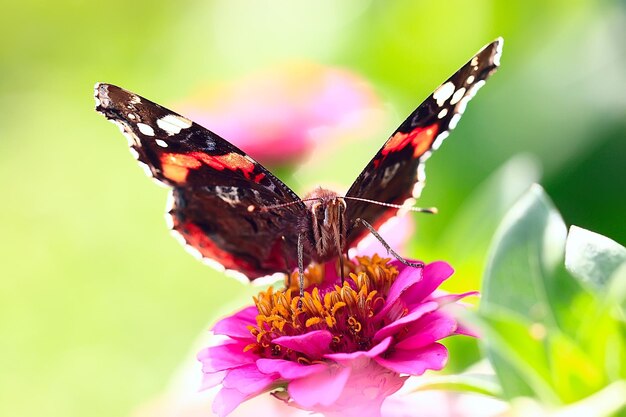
(98, 304)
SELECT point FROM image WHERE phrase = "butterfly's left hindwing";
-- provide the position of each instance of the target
(396, 173)
(217, 188)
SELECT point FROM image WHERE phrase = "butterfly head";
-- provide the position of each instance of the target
(326, 221)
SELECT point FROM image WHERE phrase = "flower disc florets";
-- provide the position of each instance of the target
(347, 311)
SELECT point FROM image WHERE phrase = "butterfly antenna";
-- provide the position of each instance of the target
(430, 210)
(252, 207)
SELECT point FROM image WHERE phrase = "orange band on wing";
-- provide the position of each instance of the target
(176, 166)
(421, 138)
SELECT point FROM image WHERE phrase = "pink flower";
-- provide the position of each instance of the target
(345, 349)
(279, 115)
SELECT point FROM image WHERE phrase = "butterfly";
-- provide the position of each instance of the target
(237, 216)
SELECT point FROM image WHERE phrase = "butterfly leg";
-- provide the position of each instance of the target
(300, 269)
(341, 267)
(387, 247)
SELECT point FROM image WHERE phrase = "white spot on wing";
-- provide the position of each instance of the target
(179, 237)
(444, 92)
(145, 168)
(172, 124)
(458, 95)
(421, 172)
(161, 143)
(496, 57)
(169, 204)
(194, 252)
(440, 138)
(267, 280)
(134, 152)
(145, 129)
(228, 194)
(460, 108)
(169, 220)
(442, 113)
(470, 79)
(169, 207)
(417, 189)
(213, 264)
(455, 119)
(160, 183)
(474, 89)
(236, 275)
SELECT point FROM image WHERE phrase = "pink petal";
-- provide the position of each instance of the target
(466, 331)
(453, 298)
(434, 274)
(212, 379)
(375, 351)
(236, 325)
(226, 400)
(288, 369)
(225, 356)
(314, 344)
(427, 330)
(416, 362)
(395, 326)
(406, 278)
(247, 379)
(321, 388)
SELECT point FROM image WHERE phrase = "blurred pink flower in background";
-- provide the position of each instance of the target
(279, 115)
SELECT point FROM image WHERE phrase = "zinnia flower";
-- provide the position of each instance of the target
(279, 115)
(344, 348)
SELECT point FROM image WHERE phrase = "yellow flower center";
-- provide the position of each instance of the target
(346, 310)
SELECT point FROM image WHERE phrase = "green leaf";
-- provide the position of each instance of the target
(608, 402)
(526, 250)
(617, 290)
(516, 348)
(536, 311)
(574, 373)
(475, 383)
(592, 258)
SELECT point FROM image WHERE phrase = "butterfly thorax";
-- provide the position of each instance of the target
(326, 223)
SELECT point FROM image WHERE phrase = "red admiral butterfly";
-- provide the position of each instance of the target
(237, 215)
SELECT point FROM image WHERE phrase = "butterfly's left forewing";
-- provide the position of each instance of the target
(218, 190)
(395, 174)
